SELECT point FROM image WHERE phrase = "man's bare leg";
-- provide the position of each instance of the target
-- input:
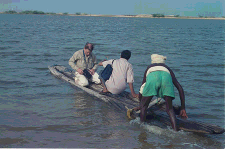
(104, 87)
(170, 112)
(143, 107)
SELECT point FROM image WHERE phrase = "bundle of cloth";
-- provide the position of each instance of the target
(156, 58)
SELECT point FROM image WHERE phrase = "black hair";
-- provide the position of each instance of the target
(89, 46)
(126, 54)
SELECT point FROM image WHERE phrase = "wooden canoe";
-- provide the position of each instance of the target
(155, 112)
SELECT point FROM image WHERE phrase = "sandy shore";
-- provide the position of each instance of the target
(146, 16)
(136, 16)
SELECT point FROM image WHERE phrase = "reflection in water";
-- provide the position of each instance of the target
(92, 112)
(142, 138)
(93, 109)
(6, 142)
(80, 101)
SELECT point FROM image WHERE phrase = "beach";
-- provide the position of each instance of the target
(149, 16)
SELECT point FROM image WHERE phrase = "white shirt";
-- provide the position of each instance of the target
(121, 75)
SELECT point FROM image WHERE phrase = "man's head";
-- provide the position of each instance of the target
(88, 48)
(126, 54)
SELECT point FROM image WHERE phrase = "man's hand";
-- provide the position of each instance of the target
(135, 95)
(80, 71)
(183, 114)
(100, 63)
(92, 71)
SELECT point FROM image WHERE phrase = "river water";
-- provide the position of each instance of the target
(39, 110)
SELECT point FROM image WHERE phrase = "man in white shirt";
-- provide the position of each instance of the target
(121, 75)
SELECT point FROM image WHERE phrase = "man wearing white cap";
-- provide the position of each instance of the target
(159, 80)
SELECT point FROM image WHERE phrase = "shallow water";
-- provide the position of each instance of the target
(39, 110)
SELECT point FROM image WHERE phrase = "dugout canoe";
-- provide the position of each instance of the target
(155, 112)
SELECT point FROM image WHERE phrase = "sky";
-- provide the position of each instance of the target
(214, 8)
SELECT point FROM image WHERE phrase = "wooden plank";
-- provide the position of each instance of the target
(118, 102)
(159, 113)
(156, 112)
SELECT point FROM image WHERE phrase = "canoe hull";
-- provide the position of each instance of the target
(156, 112)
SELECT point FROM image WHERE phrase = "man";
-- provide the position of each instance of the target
(158, 81)
(121, 75)
(83, 60)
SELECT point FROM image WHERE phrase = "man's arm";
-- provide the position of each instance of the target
(95, 63)
(106, 62)
(100, 64)
(72, 61)
(181, 93)
(179, 88)
(130, 80)
(94, 68)
(132, 90)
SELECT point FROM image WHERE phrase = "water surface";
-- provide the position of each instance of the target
(39, 110)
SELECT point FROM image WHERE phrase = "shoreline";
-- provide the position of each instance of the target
(148, 16)
(130, 16)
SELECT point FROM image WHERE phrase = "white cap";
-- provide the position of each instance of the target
(158, 58)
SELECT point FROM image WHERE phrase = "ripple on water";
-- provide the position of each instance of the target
(8, 142)
(46, 107)
(5, 83)
(12, 41)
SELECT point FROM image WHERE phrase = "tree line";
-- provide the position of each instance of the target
(38, 12)
(52, 13)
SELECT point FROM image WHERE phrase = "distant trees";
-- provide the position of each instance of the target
(200, 16)
(50, 13)
(10, 12)
(32, 12)
(38, 12)
(130, 15)
(158, 15)
(78, 13)
(24, 12)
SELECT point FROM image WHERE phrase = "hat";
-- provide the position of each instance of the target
(158, 58)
